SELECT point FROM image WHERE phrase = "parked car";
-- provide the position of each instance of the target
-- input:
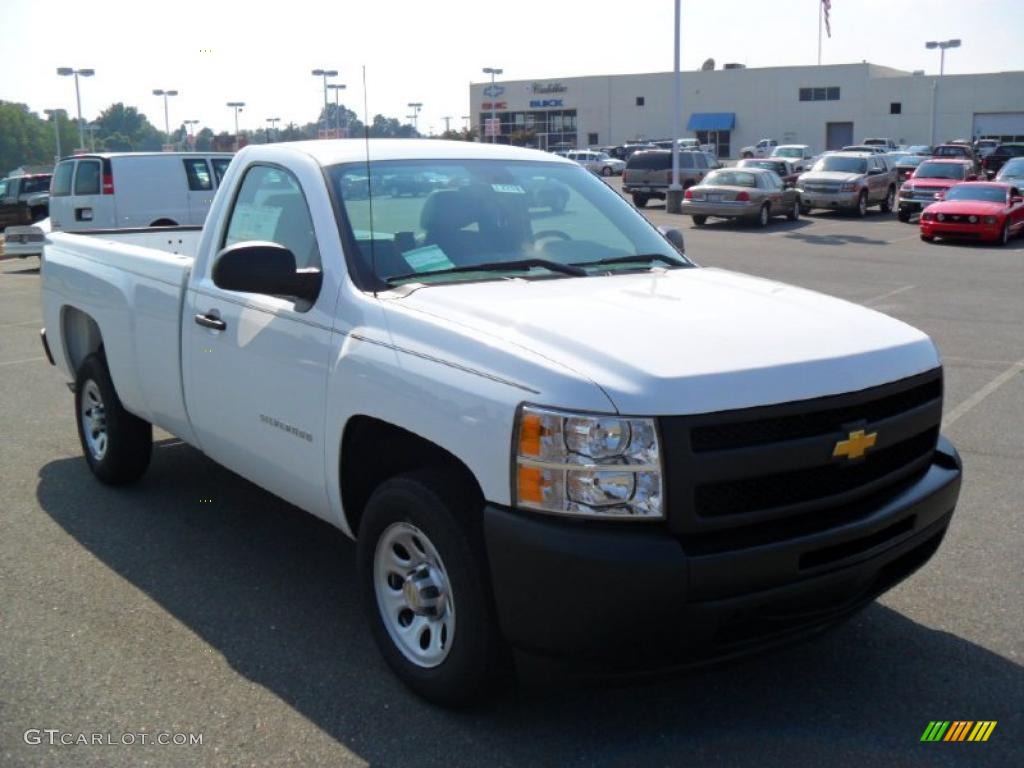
(800, 155)
(920, 149)
(991, 164)
(763, 148)
(930, 179)
(887, 145)
(1012, 172)
(957, 151)
(600, 163)
(753, 194)
(648, 173)
(24, 240)
(979, 210)
(870, 148)
(625, 151)
(850, 181)
(376, 366)
(780, 165)
(906, 164)
(24, 199)
(985, 147)
(134, 189)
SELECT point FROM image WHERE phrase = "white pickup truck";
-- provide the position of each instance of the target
(546, 427)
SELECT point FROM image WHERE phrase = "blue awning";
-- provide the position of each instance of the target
(711, 121)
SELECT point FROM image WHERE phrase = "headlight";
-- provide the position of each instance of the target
(990, 219)
(941, 217)
(848, 186)
(587, 465)
(973, 219)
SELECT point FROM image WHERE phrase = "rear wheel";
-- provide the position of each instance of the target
(748, 154)
(794, 215)
(698, 220)
(640, 201)
(164, 223)
(890, 199)
(425, 586)
(117, 444)
(804, 208)
(763, 216)
(903, 215)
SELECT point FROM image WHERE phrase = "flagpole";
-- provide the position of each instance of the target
(820, 4)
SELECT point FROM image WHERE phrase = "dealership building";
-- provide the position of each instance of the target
(823, 106)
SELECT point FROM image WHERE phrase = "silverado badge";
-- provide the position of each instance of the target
(855, 445)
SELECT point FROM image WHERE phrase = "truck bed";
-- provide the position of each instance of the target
(128, 285)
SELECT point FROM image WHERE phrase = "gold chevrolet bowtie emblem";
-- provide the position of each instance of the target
(855, 446)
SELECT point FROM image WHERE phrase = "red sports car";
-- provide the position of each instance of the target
(979, 210)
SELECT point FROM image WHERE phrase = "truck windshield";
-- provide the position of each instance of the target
(842, 164)
(427, 219)
(941, 171)
(787, 152)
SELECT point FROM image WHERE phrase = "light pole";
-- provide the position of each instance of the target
(325, 73)
(273, 125)
(55, 114)
(336, 87)
(447, 123)
(416, 107)
(190, 127)
(67, 72)
(674, 198)
(493, 72)
(942, 45)
(167, 121)
(92, 128)
(237, 106)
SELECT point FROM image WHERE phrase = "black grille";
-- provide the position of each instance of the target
(789, 488)
(722, 436)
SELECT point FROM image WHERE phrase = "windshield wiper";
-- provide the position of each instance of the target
(640, 258)
(498, 266)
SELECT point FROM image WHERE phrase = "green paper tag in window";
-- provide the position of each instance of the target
(429, 258)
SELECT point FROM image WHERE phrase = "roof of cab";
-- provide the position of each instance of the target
(332, 151)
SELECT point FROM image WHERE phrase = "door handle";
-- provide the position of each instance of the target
(211, 321)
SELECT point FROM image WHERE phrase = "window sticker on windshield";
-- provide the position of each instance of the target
(508, 189)
(429, 258)
(253, 222)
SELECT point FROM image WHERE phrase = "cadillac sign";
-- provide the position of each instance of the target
(546, 88)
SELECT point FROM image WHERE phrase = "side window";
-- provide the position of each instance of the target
(3, 189)
(270, 206)
(702, 161)
(686, 160)
(61, 186)
(87, 179)
(198, 173)
(220, 167)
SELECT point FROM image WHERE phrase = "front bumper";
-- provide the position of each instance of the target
(963, 229)
(623, 592)
(835, 200)
(723, 210)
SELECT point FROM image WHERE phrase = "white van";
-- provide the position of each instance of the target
(117, 190)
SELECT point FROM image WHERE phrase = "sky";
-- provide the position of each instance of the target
(429, 52)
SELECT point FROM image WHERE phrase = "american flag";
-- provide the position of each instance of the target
(827, 7)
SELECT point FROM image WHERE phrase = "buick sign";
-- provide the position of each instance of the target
(545, 103)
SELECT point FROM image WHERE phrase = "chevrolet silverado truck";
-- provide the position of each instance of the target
(547, 431)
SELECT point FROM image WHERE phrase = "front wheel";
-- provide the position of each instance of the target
(805, 209)
(862, 205)
(887, 205)
(928, 238)
(698, 220)
(606, 171)
(640, 201)
(903, 215)
(1004, 236)
(426, 587)
(116, 443)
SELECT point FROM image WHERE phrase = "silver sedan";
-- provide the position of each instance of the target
(753, 194)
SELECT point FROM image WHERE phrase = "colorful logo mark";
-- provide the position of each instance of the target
(958, 730)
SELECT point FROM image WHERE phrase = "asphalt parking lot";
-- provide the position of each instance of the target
(150, 610)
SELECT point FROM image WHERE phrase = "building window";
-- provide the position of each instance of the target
(719, 139)
(591, 139)
(896, 108)
(639, 101)
(819, 94)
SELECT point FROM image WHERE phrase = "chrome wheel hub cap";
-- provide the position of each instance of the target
(94, 420)
(413, 595)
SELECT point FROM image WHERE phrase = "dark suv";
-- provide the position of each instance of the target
(998, 157)
(24, 199)
(649, 173)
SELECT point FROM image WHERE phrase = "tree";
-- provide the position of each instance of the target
(24, 138)
(389, 128)
(131, 124)
(204, 140)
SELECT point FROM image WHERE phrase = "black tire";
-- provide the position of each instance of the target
(928, 238)
(860, 211)
(164, 223)
(606, 171)
(887, 204)
(763, 216)
(903, 215)
(129, 439)
(448, 514)
(640, 201)
(794, 215)
(698, 220)
(805, 209)
(1004, 236)
(747, 155)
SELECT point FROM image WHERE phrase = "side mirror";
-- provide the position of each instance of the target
(675, 237)
(267, 268)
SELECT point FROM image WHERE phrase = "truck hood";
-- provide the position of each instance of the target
(829, 176)
(686, 341)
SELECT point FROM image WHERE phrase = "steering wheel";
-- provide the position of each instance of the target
(546, 233)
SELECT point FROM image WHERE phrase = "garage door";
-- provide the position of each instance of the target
(838, 135)
(1005, 126)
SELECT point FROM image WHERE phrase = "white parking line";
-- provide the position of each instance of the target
(974, 400)
(886, 295)
(19, 362)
